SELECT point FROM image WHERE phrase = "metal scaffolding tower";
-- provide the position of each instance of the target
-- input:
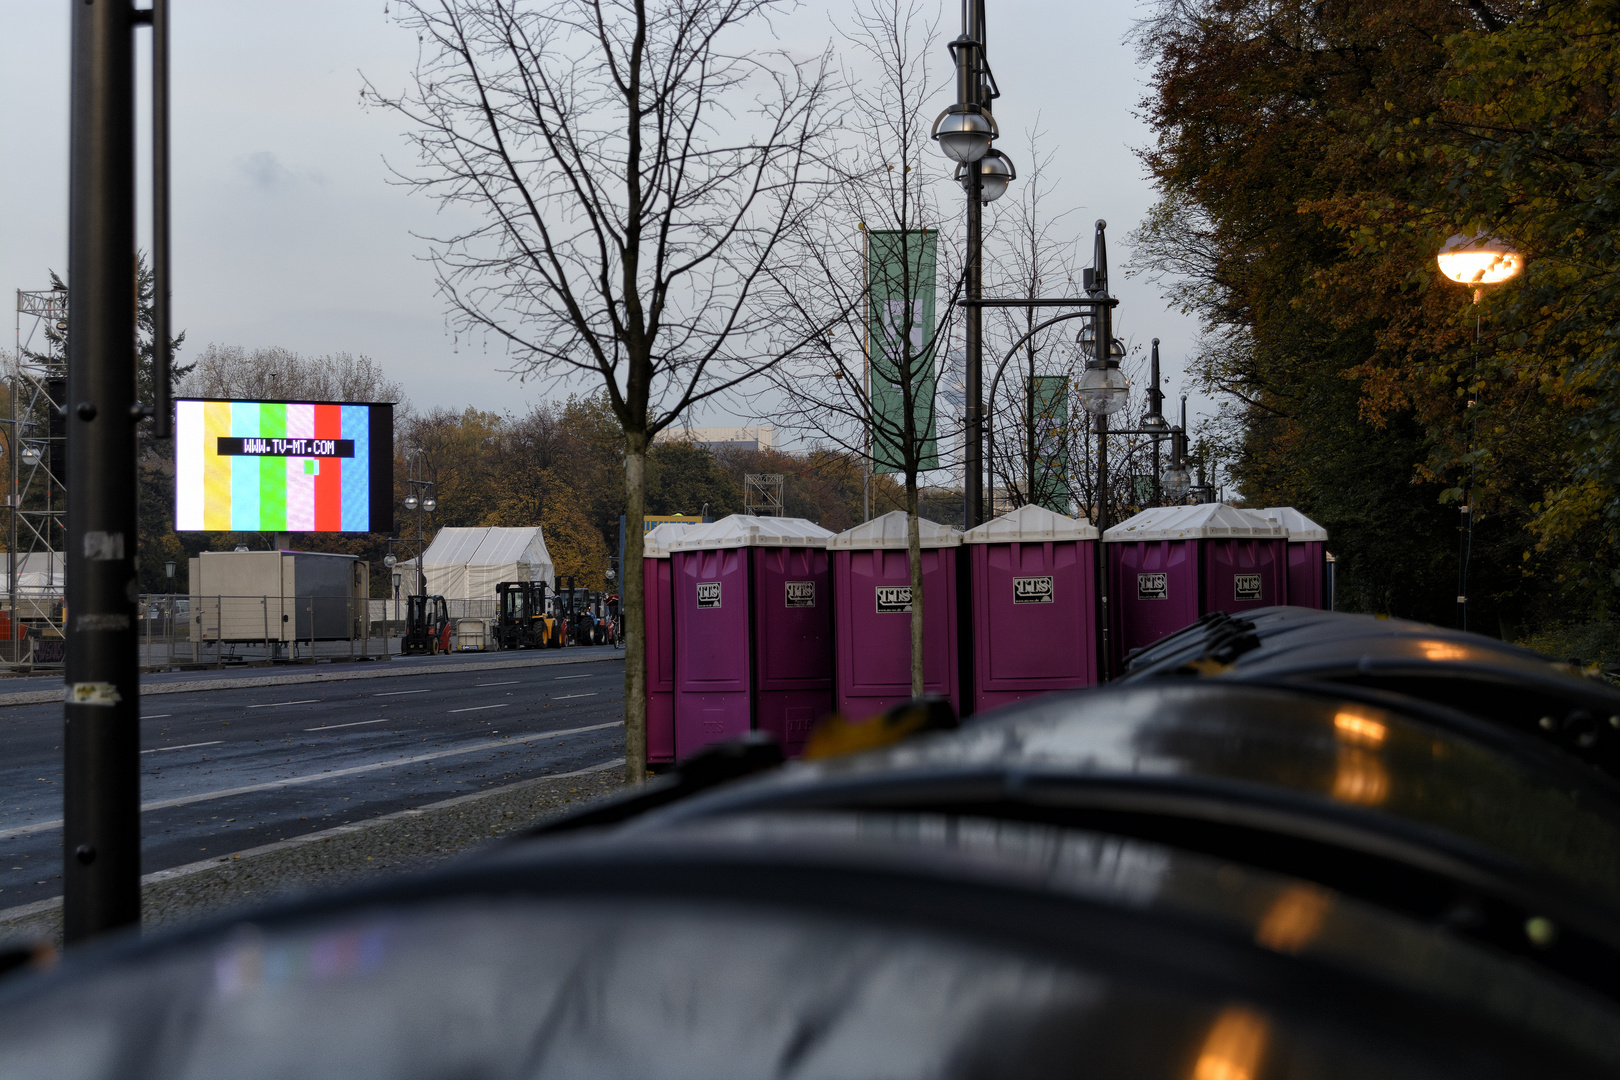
(36, 459)
(762, 494)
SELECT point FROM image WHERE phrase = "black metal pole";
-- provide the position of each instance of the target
(162, 407)
(1029, 420)
(973, 460)
(970, 66)
(1104, 622)
(1155, 408)
(1105, 343)
(101, 740)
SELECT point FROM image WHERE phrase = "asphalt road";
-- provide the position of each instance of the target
(225, 770)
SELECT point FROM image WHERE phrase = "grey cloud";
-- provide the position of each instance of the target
(265, 170)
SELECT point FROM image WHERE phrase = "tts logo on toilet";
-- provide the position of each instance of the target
(801, 594)
(1153, 586)
(893, 599)
(1246, 586)
(708, 594)
(1032, 590)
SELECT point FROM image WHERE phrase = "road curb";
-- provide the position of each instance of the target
(46, 697)
(179, 875)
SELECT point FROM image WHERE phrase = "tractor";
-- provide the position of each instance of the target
(427, 626)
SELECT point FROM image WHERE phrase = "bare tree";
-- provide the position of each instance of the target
(631, 170)
(864, 286)
(1036, 259)
(230, 371)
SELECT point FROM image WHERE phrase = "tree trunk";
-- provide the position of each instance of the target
(632, 605)
(914, 558)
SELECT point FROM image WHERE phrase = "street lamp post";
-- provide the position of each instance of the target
(1477, 259)
(420, 498)
(1178, 481)
(1153, 420)
(964, 132)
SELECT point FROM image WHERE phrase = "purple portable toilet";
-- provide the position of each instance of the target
(872, 579)
(1307, 556)
(659, 597)
(753, 631)
(1034, 577)
(1169, 565)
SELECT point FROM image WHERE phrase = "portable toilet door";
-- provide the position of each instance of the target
(753, 633)
(872, 609)
(1307, 557)
(658, 599)
(1034, 581)
(1169, 565)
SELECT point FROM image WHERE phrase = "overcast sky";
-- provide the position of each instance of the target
(287, 232)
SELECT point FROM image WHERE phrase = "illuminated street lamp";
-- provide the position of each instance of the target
(1478, 260)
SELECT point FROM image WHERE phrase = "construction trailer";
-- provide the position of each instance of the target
(279, 597)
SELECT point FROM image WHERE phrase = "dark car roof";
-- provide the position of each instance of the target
(1182, 878)
(1500, 683)
(1308, 749)
(851, 944)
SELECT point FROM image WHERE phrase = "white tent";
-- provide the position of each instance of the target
(38, 573)
(466, 564)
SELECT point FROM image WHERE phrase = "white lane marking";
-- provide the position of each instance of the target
(480, 708)
(159, 716)
(187, 746)
(397, 693)
(565, 697)
(310, 778)
(357, 723)
(273, 704)
(508, 682)
(560, 678)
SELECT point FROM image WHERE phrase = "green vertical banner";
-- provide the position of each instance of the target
(900, 330)
(1052, 441)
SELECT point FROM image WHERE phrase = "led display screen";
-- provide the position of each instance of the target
(283, 466)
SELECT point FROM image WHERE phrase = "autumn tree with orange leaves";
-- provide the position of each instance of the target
(1311, 159)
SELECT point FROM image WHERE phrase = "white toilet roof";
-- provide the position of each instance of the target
(889, 532)
(1030, 524)
(1205, 521)
(1299, 526)
(743, 530)
(655, 545)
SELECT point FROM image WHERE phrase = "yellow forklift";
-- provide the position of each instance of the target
(525, 618)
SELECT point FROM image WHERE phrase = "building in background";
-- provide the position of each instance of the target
(723, 438)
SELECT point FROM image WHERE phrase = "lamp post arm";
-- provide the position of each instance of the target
(990, 399)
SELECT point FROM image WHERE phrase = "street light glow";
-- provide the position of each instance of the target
(1478, 260)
